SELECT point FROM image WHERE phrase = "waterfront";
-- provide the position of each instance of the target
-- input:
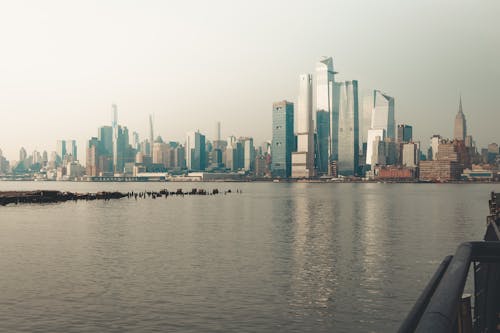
(279, 257)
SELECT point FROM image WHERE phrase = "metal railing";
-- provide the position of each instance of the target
(436, 310)
(440, 307)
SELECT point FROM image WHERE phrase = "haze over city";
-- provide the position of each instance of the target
(67, 62)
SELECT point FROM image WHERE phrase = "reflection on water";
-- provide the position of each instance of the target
(279, 257)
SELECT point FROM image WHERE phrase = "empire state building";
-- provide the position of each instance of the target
(460, 131)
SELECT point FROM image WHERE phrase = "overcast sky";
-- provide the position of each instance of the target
(192, 63)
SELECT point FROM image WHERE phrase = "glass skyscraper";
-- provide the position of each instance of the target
(106, 138)
(383, 113)
(346, 106)
(325, 77)
(195, 151)
(323, 139)
(283, 139)
(405, 133)
(382, 119)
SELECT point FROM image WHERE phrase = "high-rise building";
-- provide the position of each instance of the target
(106, 138)
(61, 149)
(411, 154)
(115, 138)
(365, 121)
(248, 154)
(346, 105)
(94, 150)
(493, 148)
(136, 143)
(151, 131)
(435, 140)
(323, 141)
(120, 148)
(469, 141)
(460, 130)
(195, 151)
(71, 149)
(405, 133)
(160, 153)
(283, 139)
(374, 137)
(382, 119)
(325, 77)
(303, 158)
(383, 113)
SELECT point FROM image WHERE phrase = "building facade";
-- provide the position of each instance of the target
(405, 133)
(346, 95)
(460, 129)
(283, 139)
(303, 158)
(195, 151)
(325, 77)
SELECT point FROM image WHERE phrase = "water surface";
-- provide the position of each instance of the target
(278, 257)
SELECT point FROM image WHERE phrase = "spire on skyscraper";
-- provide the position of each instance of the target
(460, 130)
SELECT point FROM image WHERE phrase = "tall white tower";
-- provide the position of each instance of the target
(151, 131)
(325, 78)
(303, 158)
(382, 122)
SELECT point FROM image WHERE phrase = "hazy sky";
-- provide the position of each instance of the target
(191, 63)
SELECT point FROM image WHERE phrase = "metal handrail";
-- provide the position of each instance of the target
(439, 300)
(412, 319)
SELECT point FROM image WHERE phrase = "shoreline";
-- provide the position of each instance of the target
(314, 181)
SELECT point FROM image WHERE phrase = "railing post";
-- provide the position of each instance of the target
(465, 314)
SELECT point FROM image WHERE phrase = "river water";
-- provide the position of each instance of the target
(276, 258)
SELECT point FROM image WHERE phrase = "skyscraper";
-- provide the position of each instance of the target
(303, 158)
(106, 138)
(375, 136)
(365, 117)
(136, 141)
(151, 131)
(382, 119)
(405, 133)
(283, 139)
(435, 140)
(195, 151)
(23, 155)
(325, 77)
(94, 149)
(460, 131)
(115, 137)
(61, 149)
(411, 154)
(323, 139)
(346, 105)
(121, 145)
(71, 149)
(383, 113)
(248, 154)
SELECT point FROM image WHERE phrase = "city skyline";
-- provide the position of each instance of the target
(119, 134)
(54, 87)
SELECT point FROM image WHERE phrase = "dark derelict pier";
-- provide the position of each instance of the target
(45, 196)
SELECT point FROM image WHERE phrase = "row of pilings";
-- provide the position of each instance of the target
(42, 196)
